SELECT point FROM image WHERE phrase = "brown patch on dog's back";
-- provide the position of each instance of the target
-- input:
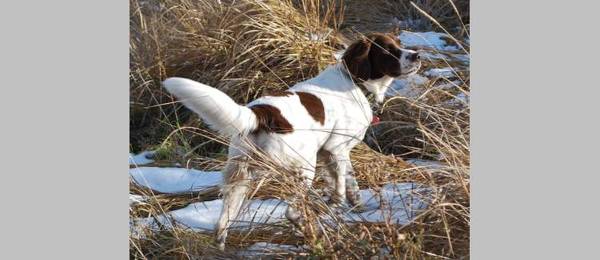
(271, 120)
(313, 105)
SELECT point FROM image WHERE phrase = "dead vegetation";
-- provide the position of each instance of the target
(247, 47)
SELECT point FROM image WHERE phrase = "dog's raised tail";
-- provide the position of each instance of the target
(217, 109)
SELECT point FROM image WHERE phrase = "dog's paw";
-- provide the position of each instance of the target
(356, 204)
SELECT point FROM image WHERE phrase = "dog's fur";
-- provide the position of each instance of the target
(325, 116)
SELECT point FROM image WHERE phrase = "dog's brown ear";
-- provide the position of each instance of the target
(356, 58)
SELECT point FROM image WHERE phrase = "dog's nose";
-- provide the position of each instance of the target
(414, 57)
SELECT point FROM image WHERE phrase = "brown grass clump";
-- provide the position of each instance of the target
(246, 47)
(387, 15)
(241, 47)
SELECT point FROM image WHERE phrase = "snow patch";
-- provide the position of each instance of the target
(264, 249)
(174, 180)
(464, 58)
(460, 98)
(440, 72)
(427, 164)
(135, 199)
(433, 40)
(203, 216)
(448, 85)
(433, 56)
(398, 203)
(339, 54)
(407, 87)
(141, 158)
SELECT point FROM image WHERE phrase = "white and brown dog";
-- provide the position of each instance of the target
(325, 116)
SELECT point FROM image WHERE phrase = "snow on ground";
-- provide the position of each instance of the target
(407, 87)
(339, 54)
(203, 216)
(459, 99)
(434, 40)
(462, 97)
(427, 164)
(412, 86)
(449, 85)
(432, 56)
(136, 199)
(396, 202)
(174, 180)
(465, 58)
(265, 249)
(141, 158)
(440, 72)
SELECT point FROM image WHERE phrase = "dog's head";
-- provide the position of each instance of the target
(377, 59)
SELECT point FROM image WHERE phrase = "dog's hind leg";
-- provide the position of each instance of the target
(292, 214)
(235, 189)
(352, 189)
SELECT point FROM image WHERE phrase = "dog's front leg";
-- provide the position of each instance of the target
(341, 167)
(352, 189)
(332, 167)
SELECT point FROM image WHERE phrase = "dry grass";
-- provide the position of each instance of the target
(246, 47)
(388, 15)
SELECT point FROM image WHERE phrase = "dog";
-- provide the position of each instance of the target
(322, 117)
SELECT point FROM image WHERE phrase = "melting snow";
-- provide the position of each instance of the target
(136, 199)
(427, 164)
(465, 58)
(264, 249)
(339, 54)
(400, 204)
(174, 180)
(433, 56)
(406, 87)
(460, 98)
(440, 72)
(433, 40)
(203, 216)
(141, 158)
